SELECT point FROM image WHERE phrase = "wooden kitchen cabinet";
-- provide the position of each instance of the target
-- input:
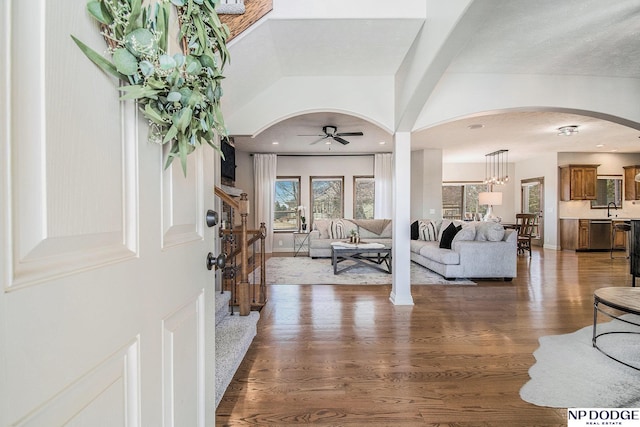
(578, 182)
(631, 187)
(583, 235)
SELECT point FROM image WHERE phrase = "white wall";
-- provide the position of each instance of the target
(426, 184)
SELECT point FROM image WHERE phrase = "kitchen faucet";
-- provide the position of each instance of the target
(608, 206)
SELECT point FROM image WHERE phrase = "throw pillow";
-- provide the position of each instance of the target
(323, 227)
(448, 234)
(414, 230)
(468, 232)
(427, 231)
(337, 230)
(489, 231)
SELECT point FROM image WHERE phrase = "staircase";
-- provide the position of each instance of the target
(234, 334)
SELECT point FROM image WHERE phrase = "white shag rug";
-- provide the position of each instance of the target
(570, 373)
(308, 271)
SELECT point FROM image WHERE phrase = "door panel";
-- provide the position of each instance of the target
(532, 201)
(104, 291)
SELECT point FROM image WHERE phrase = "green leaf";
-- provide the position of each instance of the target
(125, 62)
(100, 61)
(136, 9)
(174, 97)
(167, 62)
(153, 115)
(184, 150)
(207, 61)
(179, 3)
(179, 58)
(185, 118)
(171, 133)
(146, 68)
(138, 91)
(140, 41)
(193, 66)
(100, 13)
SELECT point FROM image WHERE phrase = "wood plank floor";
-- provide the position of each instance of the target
(345, 356)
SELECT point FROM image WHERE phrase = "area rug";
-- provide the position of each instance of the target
(570, 373)
(308, 271)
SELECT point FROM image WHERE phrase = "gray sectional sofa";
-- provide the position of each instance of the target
(479, 250)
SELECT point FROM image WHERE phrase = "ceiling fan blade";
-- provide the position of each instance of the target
(340, 140)
(318, 140)
(315, 134)
(349, 134)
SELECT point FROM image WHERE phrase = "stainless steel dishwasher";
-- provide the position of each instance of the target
(600, 234)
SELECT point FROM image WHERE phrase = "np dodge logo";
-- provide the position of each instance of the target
(603, 417)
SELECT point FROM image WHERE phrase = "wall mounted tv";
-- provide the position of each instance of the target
(228, 164)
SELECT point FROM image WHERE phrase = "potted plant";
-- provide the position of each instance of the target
(303, 218)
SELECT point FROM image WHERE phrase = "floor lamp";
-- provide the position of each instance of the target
(490, 199)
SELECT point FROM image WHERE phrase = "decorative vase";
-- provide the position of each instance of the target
(304, 226)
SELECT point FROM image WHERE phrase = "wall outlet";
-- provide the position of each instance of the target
(279, 242)
(432, 211)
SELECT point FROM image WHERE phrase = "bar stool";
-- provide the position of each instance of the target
(626, 229)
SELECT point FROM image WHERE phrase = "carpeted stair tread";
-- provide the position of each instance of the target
(234, 335)
(222, 305)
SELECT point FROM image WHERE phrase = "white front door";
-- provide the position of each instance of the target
(105, 300)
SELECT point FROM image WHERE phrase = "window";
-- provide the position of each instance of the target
(285, 216)
(327, 197)
(363, 197)
(459, 199)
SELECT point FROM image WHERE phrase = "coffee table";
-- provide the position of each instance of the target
(616, 301)
(371, 255)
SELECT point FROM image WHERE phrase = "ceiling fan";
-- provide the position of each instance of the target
(330, 132)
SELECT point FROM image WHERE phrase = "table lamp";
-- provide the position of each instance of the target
(490, 199)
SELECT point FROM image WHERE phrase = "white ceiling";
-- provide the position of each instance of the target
(572, 37)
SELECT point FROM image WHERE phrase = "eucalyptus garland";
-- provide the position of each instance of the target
(179, 94)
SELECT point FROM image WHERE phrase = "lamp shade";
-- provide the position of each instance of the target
(490, 198)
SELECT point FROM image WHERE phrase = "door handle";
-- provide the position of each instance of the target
(216, 261)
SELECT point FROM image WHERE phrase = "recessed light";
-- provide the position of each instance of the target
(383, 142)
(275, 143)
(328, 142)
(600, 145)
(475, 126)
(568, 130)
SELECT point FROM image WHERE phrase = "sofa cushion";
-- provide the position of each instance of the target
(489, 231)
(468, 232)
(427, 230)
(432, 251)
(448, 234)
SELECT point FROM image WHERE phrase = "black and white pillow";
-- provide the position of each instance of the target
(427, 231)
(337, 230)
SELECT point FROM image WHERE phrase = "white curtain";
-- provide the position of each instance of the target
(383, 176)
(264, 184)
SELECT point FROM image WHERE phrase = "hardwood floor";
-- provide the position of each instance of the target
(344, 355)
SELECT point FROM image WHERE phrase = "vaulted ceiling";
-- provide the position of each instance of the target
(518, 39)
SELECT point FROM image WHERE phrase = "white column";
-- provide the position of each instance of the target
(401, 262)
